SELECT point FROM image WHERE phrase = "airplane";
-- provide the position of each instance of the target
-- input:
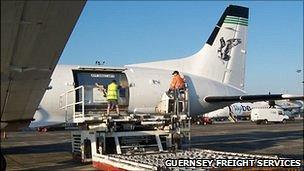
(214, 76)
(232, 112)
(291, 107)
(33, 36)
(241, 111)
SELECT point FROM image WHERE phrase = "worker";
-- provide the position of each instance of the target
(112, 96)
(177, 83)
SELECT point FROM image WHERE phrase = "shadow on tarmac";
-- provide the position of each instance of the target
(32, 149)
(66, 165)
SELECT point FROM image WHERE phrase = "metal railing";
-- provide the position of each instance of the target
(64, 103)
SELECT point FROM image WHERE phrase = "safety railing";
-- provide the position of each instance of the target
(65, 103)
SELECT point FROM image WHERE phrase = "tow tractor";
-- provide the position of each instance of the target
(131, 140)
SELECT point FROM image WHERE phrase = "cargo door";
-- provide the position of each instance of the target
(95, 99)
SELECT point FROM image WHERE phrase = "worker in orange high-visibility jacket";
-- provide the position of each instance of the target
(177, 82)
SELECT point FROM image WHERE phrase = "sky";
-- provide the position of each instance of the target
(128, 32)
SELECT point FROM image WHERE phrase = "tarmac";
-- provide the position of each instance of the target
(52, 150)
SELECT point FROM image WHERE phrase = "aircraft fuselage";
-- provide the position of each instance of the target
(145, 87)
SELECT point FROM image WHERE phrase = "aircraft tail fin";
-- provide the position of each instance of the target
(222, 58)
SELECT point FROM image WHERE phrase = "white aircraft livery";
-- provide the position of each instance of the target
(214, 77)
(243, 110)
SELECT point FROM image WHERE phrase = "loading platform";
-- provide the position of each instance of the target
(136, 141)
(156, 161)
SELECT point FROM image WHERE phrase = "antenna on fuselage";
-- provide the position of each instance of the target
(100, 63)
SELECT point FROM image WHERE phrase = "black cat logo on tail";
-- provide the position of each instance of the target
(226, 46)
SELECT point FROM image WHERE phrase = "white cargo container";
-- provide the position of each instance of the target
(266, 115)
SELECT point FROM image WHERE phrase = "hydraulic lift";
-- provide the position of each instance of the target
(136, 141)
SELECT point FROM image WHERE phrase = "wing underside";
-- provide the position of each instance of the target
(33, 36)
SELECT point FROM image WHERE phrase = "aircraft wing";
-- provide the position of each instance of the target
(33, 36)
(251, 98)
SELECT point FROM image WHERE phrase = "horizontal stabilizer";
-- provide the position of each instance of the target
(251, 98)
(293, 97)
